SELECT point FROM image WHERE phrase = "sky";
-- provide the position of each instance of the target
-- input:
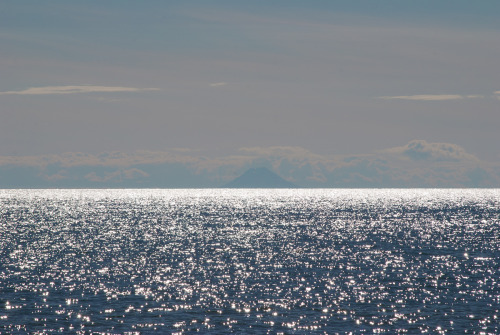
(220, 79)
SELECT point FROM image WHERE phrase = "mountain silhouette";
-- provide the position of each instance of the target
(259, 178)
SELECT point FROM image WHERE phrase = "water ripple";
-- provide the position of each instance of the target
(249, 261)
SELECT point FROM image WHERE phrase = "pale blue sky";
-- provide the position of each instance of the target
(334, 77)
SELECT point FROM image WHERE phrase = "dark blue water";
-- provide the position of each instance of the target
(250, 261)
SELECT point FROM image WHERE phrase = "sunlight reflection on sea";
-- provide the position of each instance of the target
(255, 261)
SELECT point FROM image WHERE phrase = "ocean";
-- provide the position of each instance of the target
(261, 261)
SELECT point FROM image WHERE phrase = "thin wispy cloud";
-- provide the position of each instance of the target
(426, 97)
(74, 89)
(218, 84)
(434, 97)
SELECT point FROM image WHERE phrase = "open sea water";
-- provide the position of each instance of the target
(250, 261)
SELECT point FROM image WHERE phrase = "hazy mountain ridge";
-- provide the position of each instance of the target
(417, 164)
(259, 178)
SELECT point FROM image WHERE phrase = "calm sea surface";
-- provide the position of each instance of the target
(250, 261)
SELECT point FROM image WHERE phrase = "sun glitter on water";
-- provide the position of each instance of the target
(263, 261)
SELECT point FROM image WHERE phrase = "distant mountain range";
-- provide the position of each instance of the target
(414, 165)
(259, 178)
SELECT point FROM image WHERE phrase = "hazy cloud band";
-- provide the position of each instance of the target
(218, 84)
(434, 97)
(426, 97)
(417, 164)
(75, 89)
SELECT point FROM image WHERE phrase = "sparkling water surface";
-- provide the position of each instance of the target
(250, 261)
